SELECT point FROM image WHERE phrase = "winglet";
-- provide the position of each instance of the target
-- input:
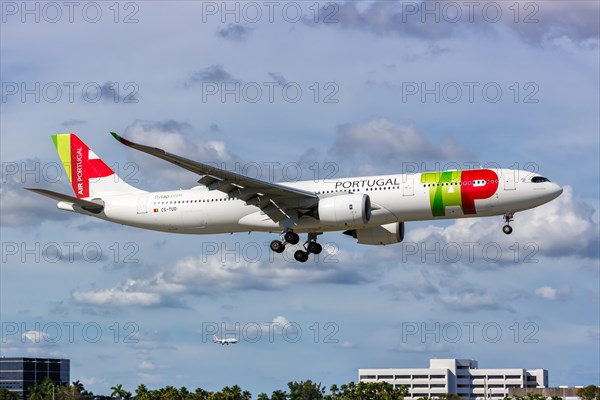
(121, 139)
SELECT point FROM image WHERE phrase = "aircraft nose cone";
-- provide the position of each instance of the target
(556, 191)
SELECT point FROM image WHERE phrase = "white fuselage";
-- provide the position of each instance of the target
(394, 198)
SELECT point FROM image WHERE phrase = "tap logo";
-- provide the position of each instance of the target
(80, 162)
(459, 188)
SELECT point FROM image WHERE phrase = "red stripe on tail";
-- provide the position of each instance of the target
(83, 169)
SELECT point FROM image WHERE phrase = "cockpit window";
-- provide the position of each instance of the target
(538, 179)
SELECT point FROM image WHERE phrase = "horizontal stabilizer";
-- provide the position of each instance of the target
(85, 204)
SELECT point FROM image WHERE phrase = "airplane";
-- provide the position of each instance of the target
(372, 209)
(224, 342)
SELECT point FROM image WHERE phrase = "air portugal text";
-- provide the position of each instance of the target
(459, 188)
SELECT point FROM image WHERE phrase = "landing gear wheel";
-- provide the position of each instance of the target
(301, 255)
(291, 237)
(277, 246)
(314, 247)
(508, 218)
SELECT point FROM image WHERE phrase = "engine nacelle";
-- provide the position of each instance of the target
(379, 235)
(345, 210)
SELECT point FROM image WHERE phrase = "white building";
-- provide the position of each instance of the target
(462, 377)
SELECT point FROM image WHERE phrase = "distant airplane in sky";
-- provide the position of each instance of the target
(371, 209)
(227, 342)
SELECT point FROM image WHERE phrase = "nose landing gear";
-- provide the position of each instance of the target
(508, 218)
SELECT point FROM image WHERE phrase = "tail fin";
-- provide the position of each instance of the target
(89, 175)
(215, 339)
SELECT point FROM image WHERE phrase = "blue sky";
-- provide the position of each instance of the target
(328, 88)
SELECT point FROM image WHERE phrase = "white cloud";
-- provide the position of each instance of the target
(207, 274)
(92, 380)
(149, 378)
(35, 336)
(23, 208)
(174, 137)
(147, 365)
(472, 299)
(563, 227)
(116, 297)
(384, 144)
(550, 293)
(536, 22)
(280, 320)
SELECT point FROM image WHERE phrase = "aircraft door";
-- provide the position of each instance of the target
(142, 207)
(408, 188)
(509, 179)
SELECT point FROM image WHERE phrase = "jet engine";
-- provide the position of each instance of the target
(346, 210)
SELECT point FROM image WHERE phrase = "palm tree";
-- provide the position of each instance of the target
(334, 389)
(184, 393)
(6, 394)
(118, 392)
(141, 393)
(279, 395)
(36, 392)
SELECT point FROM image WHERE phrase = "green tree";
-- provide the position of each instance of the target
(142, 393)
(6, 394)
(184, 393)
(449, 396)
(41, 390)
(306, 390)
(119, 393)
(263, 396)
(279, 395)
(201, 394)
(591, 392)
(36, 392)
(334, 390)
(235, 393)
(535, 396)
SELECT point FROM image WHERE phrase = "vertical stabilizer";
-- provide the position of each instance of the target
(88, 174)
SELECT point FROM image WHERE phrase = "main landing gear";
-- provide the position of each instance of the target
(508, 217)
(289, 237)
(310, 246)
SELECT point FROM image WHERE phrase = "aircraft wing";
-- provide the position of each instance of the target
(275, 200)
(85, 204)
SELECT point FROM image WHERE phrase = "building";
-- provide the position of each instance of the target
(459, 376)
(565, 392)
(18, 374)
